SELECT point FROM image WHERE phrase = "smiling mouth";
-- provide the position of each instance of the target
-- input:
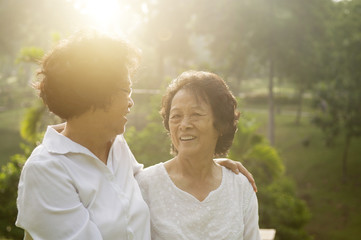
(187, 138)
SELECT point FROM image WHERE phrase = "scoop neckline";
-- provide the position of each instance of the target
(187, 195)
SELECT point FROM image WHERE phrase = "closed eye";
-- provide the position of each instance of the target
(175, 116)
(197, 114)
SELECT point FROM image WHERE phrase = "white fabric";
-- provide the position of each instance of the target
(229, 212)
(66, 192)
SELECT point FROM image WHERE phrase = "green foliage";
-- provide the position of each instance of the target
(9, 179)
(29, 128)
(10, 136)
(282, 210)
(338, 97)
(30, 54)
(265, 162)
(279, 208)
(261, 159)
(151, 144)
(31, 125)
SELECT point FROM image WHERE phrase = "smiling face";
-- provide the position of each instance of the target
(113, 116)
(119, 108)
(191, 125)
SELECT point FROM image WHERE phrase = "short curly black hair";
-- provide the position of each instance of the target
(214, 91)
(84, 72)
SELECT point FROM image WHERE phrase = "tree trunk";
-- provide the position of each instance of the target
(160, 64)
(345, 157)
(299, 107)
(271, 126)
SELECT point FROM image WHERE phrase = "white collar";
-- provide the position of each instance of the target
(57, 143)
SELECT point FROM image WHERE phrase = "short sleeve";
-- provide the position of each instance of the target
(251, 227)
(49, 206)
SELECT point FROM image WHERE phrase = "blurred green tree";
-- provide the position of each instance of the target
(273, 39)
(9, 179)
(151, 144)
(339, 94)
(279, 207)
(165, 38)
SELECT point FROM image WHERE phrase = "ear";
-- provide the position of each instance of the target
(221, 128)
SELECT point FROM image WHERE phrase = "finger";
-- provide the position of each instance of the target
(254, 187)
(235, 168)
(248, 175)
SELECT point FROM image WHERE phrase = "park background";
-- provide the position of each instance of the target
(294, 65)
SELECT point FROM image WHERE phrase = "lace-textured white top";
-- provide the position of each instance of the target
(229, 212)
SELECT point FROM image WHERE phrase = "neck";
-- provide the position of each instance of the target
(196, 176)
(196, 167)
(90, 135)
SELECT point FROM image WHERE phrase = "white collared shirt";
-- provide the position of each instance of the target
(66, 192)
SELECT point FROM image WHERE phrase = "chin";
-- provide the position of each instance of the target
(188, 152)
(121, 131)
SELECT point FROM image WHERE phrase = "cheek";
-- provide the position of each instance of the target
(173, 133)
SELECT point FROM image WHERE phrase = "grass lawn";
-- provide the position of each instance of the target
(9, 134)
(316, 169)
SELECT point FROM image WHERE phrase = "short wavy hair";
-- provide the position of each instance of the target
(84, 71)
(214, 91)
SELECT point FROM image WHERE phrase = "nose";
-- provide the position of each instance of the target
(185, 123)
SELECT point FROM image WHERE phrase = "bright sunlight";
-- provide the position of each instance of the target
(108, 15)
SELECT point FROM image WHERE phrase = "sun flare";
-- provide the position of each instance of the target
(108, 15)
(103, 12)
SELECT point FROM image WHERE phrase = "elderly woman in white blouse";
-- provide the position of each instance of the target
(190, 196)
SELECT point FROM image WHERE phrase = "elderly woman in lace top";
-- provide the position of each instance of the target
(190, 196)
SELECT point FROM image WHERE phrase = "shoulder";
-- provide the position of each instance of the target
(43, 166)
(149, 173)
(41, 157)
(150, 181)
(237, 178)
(239, 181)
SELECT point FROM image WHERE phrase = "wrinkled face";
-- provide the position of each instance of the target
(191, 125)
